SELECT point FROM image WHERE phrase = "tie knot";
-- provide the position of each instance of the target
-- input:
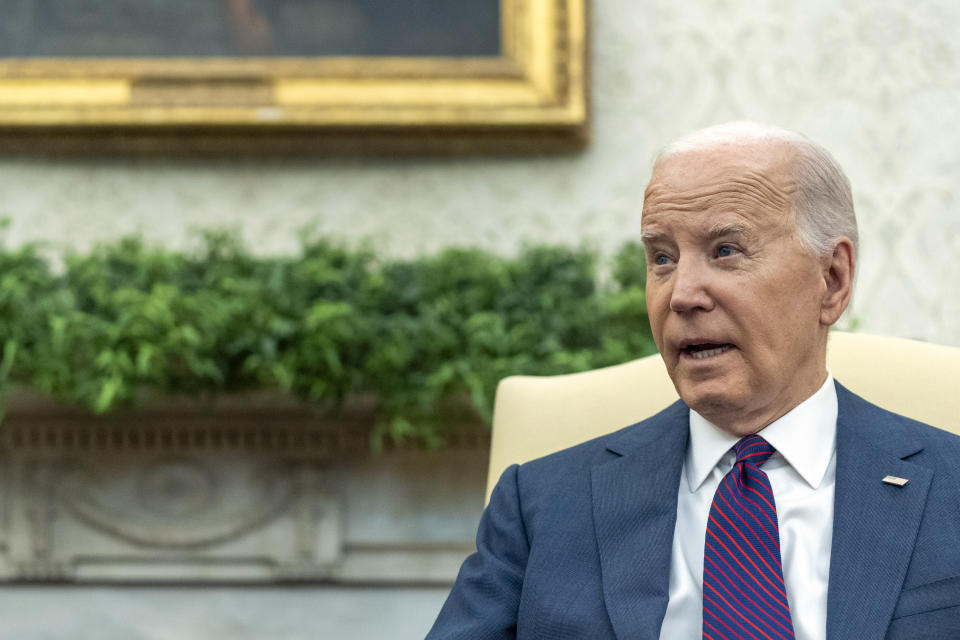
(753, 449)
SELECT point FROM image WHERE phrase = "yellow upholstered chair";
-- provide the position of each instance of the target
(534, 416)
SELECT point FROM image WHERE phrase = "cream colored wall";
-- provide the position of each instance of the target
(877, 82)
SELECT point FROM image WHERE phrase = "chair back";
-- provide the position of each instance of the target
(534, 416)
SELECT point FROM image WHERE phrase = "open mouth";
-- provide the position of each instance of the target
(704, 350)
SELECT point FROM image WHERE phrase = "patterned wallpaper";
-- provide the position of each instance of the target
(876, 82)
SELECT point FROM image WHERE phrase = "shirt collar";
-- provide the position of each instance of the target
(799, 436)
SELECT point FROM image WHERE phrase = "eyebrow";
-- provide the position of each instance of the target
(649, 236)
(724, 229)
(720, 230)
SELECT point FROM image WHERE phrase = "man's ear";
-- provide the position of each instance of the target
(837, 272)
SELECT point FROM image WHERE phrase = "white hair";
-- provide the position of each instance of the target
(823, 201)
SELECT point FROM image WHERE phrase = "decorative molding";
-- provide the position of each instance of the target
(249, 491)
(229, 424)
(177, 503)
(88, 517)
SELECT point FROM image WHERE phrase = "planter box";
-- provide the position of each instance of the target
(255, 489)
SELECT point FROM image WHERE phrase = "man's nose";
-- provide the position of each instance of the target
(690, 287)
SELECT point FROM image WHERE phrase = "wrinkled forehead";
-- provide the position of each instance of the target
(757, 177)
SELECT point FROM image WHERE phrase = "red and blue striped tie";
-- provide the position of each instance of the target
(743, 592)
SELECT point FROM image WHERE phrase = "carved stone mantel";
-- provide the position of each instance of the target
(256, 489)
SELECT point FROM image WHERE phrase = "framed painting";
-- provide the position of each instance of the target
(293, 75)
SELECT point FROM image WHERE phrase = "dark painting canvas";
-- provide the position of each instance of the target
(248, 28)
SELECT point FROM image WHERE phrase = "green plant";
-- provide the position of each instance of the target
(418, 335)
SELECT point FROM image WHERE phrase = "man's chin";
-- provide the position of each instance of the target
(725, 408)
(710, 398)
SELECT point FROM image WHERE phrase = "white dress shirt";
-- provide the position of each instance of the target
(802, 474)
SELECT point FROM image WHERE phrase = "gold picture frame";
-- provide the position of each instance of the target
(533, 97)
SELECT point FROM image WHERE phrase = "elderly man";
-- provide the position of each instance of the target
(769, 503)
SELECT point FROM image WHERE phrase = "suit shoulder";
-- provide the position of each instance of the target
(941, 448)
(588, 453)
(885, 424)
(911, 425)
(552, 490)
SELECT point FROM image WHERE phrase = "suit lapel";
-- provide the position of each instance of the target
(874, 524)
(635, 510)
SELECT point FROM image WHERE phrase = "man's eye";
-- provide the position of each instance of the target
(725, 251)
(661, 260)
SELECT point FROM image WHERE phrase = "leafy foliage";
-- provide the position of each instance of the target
(418, 335)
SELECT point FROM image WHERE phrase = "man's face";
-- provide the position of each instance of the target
(734, 299)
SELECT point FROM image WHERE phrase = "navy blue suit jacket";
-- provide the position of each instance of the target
(577, 544)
